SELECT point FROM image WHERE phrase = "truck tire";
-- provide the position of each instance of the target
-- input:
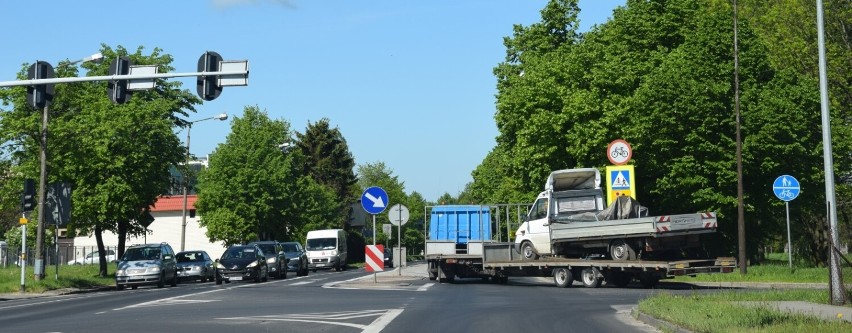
(619, 249)
(563, 277)
(433, 271)
(528, 251)
(591, 277)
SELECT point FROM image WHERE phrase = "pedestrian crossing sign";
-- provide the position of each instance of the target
(620, 181)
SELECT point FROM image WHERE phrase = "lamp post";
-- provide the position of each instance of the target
(222, 116)
(42, 184)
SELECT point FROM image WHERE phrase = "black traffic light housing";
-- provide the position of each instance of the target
(28, 197)
(208, 85)
(40, 96)
(117, 89)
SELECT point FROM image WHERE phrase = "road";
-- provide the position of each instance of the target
(321, 302)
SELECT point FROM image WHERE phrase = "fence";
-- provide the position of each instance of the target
(64, 255)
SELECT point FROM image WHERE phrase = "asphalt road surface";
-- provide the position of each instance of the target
(329, 301)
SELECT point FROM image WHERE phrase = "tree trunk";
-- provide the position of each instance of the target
(122, 238)
(100, 239)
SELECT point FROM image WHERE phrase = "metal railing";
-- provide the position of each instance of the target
(64, 255)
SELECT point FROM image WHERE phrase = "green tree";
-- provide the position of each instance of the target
(329, 162)
(245, 193)
(117, 156)
(660, 75)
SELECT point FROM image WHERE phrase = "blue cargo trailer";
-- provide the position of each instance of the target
(460, 223)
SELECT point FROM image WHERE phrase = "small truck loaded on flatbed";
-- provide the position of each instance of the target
(567, 233)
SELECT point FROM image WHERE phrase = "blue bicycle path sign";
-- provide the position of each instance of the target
(374, 200)
(786, 187)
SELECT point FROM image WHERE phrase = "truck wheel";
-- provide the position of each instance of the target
(563, 277)
(591, 277)
(620, 250)
(528, 252)
(432, 270)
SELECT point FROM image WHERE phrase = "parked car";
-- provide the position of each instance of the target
(195, 265)
(276, 259)
(297, 258)
(93, 258)
(388, 257)
(242, 262)
(147, 264)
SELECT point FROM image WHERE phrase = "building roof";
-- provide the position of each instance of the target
(173, 203)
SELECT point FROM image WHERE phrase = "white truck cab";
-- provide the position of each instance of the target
(569, 191)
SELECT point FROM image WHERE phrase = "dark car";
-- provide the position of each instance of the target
(242, 262)
(297, 258)
(275, 257)
(146, 264)
(195, 265)
(388, 257)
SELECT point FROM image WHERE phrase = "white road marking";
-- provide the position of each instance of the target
(379, 324)
(384, 317)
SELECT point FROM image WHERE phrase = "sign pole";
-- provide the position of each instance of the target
(23, 259)
(789, 246)
(399, 242)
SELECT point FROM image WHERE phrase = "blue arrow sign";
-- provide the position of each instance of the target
(374, 200)
(786, 187)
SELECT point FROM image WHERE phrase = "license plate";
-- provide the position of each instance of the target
(236, 278)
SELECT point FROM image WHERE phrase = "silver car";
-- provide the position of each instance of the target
(195, 265)
(147, 264)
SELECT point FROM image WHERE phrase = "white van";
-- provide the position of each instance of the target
(326, 249)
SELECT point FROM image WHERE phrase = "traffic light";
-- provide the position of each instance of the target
(208, 85)
(39, 96)
(117, 89)
(28, 197)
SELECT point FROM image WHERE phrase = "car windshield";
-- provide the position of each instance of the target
(187, 257)
(317, 244)
(290, 247)
(240, 252)
(267, 248)
(142, 253)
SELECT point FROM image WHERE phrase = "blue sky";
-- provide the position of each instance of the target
(409, 83)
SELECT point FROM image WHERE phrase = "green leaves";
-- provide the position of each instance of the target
(660, 75)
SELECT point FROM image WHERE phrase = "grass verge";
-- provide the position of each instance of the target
(721, 312)
(70, 276)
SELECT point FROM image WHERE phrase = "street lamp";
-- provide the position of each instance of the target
(42, 184)
(222, 116)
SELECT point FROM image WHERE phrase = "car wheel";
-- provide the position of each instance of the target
(134, 287)
(161, 282)
(119, 287)
(218, 280)
(283, 271)
(175, 280)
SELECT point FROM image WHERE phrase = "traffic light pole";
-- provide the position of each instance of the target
(42, 188)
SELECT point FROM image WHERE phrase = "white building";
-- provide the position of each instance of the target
(167, 213)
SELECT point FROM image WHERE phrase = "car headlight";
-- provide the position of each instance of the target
(220, 266)
(333, 253)
(252, 264)
(271, 260)
(119, 272)
(154, 269)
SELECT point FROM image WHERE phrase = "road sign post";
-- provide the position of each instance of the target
(786, 188)
(398, 215)
(374, 201)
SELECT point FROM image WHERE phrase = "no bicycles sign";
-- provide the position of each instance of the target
(619, 152)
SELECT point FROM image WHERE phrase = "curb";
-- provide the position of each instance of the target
(657, 323)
